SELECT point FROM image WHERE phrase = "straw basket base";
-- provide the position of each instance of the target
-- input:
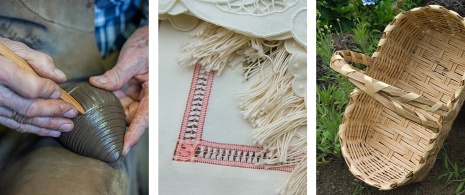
(386, 155)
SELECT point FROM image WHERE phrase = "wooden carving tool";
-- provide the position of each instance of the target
(5, 51)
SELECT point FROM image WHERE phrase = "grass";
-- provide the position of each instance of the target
(362, 188)
(454, 174)
(331, 102)
(358, 187)
(333, 98)
(365, 38)
(324, 43)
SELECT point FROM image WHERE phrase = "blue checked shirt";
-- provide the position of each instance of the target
(115, 20)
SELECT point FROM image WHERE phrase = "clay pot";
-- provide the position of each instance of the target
(99, 133)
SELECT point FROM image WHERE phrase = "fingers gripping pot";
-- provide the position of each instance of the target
(99, 133)
(404, 104)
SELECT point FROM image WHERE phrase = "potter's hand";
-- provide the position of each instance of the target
(29, 103)
(131, 69)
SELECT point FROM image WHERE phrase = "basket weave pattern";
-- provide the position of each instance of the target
(404, 105)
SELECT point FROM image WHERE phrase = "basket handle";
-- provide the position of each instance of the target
(388, 95)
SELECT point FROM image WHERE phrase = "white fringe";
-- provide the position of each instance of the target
(270, 104)
(297, 182)
(215, 47)
(277, 113)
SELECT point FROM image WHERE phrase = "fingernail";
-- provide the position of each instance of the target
(55, 134)
(126, 151)
(101, 79)
(55, 95)
(70, 113)
(66, 127)
(59, 73)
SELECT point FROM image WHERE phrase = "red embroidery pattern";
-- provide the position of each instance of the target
(192, 148)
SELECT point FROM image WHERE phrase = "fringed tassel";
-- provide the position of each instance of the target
(279, 134)
(267, 93)
(215, 47)
(278, 114)
(260, 55)
(297, 182)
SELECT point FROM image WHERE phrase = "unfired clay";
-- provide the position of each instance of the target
(99, 133)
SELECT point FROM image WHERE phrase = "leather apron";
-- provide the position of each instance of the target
(63, 29)
(30, 164)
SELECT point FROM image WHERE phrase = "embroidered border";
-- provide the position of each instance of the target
(192, 148)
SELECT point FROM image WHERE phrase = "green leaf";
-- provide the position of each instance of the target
(450, 176)
(327, 134)
(380, 6)
(442, 175)
(459, 188)
(456, 171)
(446, 163)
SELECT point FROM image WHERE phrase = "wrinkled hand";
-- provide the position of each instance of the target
(29, 103)
(132, 69)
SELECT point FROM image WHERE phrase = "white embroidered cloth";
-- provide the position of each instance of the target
(274, 20)
(204, 143)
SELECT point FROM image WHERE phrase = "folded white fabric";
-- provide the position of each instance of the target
(203, 137)
(272, 20)
(246, 102)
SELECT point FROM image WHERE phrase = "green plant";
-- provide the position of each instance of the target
(331, 10)
(349, 13)
(366, 39)
(324, 42)
(360, 188)
(382, 14)
(453, 174)
(331, 102)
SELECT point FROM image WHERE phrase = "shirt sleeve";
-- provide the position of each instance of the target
(115, 20)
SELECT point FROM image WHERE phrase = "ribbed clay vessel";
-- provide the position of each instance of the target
(98, 133)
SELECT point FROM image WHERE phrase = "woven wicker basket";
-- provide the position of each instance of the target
(404, 105)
